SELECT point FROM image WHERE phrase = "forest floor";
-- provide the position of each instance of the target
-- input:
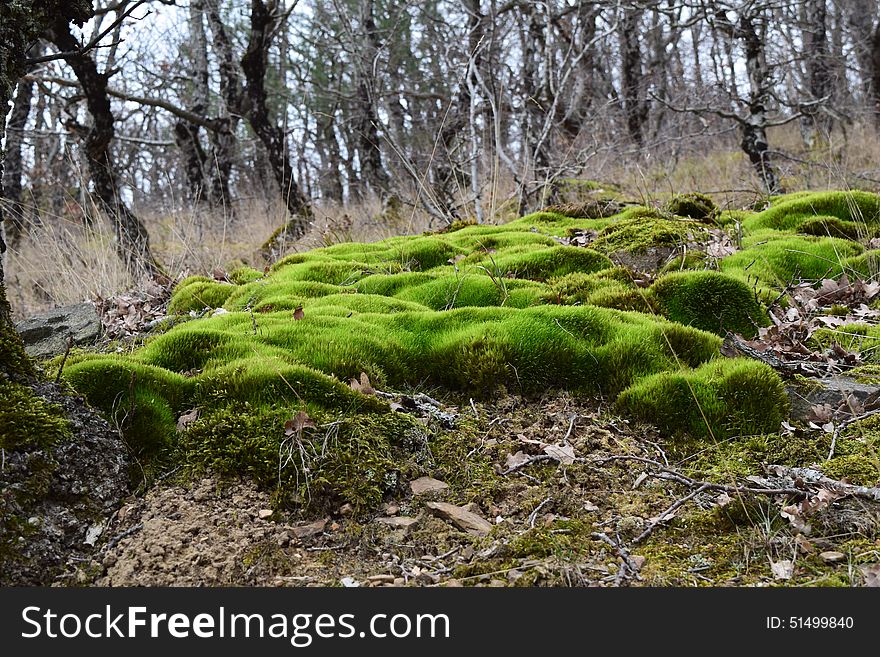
(608, 510)
(597, 394)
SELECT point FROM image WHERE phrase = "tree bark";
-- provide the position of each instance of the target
(632, 76)
(132, 240)
(254, 63)
(816, 125)
(13, 161)
(754, 128)
(369, 152)
(21, 24)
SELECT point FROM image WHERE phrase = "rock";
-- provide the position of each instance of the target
(832, 556)
(833, 392)
(381, 579)
(64, 493)
(265, 513)
(311, 529)
(424, 485)
(45, 335)
(397, 522)
(461, 518)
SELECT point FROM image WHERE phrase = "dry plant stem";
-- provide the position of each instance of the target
(628, 568)
(843, 425)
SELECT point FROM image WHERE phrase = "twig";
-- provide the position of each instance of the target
(534, 514)
(527, 462)
(663, 517)
(128, 532)
(570, 427)
(843, 425)
(628, 568)
(69, 343)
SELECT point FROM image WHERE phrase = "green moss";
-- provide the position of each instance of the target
(29, 421)
(723, 398)
(709, 300)
(858, 469)
(776, 259)
(832, 227)
(587, 209)
(692, 260)
(244, 275)
(693, 205)
(352, 461)
(197, 293)
(789, 212)
(641, 228)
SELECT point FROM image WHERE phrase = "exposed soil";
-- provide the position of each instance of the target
(571, 520)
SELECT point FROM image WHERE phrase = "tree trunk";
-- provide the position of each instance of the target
(816, 125)
(132, 240)
(634, 106)
(13, 162)
(187, 135)
(254, 65)
(369, 151)
(754, 128)
(21, 24)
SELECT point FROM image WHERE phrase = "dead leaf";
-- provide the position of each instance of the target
(871, 573)
(219, 274)
(299, 422)
(187, 418)
(515, 460)
(564, 454)
(363, 385)
(298, 313)
(783, 569)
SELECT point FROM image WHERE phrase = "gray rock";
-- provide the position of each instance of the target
(832, 391)
(64, 493)
(45, 335)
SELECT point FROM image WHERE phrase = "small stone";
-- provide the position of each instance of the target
(399, 581)
(265, 513)
(391, 509)
(638, 561)
(461, 518)
(34, 521)
(424, 485)
(398, 522)
(310, 529)
(349, 582)
(381, 579)
(832, 556)
(453, 583)
(346, 509)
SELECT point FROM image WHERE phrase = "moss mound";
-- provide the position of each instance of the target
(720, 399)
(473, 310)
(693, 205)
(710, 301)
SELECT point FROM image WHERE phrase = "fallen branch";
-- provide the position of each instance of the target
(734, 345)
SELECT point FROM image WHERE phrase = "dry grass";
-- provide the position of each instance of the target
(62, 261)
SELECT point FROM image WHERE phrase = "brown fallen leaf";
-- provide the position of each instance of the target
(871, 573)
(187, 418)
(564, 453)
(363, 385)
(297, 423)
(298, 314)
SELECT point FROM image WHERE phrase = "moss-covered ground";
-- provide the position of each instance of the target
(253, 377)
